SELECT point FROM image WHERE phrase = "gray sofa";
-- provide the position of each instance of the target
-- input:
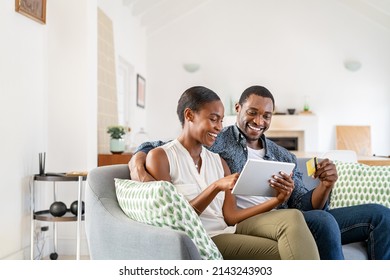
(111, 235)
(353, 251)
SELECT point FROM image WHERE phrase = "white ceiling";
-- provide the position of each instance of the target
(376, 10)
(155, 14)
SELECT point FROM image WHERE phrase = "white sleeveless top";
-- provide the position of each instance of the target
(190, 183)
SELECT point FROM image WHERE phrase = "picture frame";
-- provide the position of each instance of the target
(140, 91)
(34, 9)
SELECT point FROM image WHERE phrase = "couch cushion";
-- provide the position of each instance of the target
(158, 203)
(360, 184)
(355, 251)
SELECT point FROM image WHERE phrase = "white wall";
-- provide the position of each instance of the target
(130, 45)
(23, 98)
(48, 104)
(72, 52)
(72, 100)
(294, 48)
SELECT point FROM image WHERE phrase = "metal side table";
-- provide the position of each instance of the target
(44, 215)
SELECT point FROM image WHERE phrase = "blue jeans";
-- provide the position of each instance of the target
(333, 228)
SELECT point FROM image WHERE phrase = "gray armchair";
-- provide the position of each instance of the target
(111, 235)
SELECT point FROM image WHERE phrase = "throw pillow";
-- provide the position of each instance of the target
(360, 184)
(159, 204)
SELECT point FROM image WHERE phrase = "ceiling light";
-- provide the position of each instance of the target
(191, 67)
(352, 65)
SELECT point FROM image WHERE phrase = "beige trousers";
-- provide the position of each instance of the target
(279, 234)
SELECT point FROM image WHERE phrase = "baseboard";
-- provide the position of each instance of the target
(66, 247)
(21, 254)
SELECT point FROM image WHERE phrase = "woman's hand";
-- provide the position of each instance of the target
(227, 182)
(284, 185)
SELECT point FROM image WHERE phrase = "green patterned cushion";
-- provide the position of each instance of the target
(159, 204)
(360, 184)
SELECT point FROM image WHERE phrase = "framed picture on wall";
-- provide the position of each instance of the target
(140, 91)
(34, 9)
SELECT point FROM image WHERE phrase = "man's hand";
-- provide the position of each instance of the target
(327, 173)
(284, 185)
(137, 168)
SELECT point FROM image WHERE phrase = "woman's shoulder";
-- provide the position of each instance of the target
(169, 145)
(156, 151)
(156, 155)
(157, 164)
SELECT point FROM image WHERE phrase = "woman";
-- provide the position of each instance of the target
(205, 180)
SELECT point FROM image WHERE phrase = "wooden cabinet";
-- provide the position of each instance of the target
(110, 159)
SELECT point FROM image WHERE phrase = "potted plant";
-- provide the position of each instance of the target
(117, 143)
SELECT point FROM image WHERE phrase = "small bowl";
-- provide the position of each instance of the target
(291, 111)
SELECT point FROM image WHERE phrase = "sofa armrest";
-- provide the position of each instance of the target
(111, 235)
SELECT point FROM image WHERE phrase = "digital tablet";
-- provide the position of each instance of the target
(255, 176)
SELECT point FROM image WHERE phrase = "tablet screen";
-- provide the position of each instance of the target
(255, 176)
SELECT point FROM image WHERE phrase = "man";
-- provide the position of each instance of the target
(330, 228)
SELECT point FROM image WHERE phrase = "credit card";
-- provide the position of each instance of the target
(311, 166)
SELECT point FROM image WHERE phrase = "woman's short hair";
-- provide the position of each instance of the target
(194, 98)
